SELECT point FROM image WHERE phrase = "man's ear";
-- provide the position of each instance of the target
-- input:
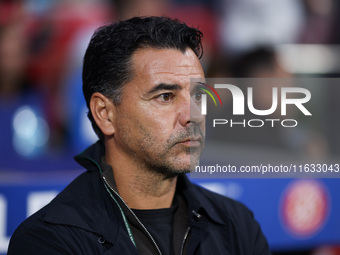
(103, 112)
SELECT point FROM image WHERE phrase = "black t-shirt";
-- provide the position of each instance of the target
(159, 222)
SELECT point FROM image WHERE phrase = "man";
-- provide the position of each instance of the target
(135, 197)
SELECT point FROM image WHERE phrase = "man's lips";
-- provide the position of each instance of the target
(191, 142)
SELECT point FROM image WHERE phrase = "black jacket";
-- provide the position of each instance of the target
(84, 219)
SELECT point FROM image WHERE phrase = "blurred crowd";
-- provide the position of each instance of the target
(42, 42)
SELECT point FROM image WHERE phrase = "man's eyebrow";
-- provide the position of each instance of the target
(164, 86)
(199, 85)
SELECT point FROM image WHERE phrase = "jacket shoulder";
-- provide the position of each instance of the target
(35, 236)
(68, 224)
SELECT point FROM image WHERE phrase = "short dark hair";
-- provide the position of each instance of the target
(107, 61)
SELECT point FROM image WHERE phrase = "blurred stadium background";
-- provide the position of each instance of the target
(43, 114)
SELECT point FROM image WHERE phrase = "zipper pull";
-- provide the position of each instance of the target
(197, 215)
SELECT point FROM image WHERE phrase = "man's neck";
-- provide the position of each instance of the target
(142, 191)
(141, 188)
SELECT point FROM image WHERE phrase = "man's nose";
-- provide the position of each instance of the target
(190, 111)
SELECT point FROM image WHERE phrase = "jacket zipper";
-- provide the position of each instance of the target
(184, 239)
(134, 215)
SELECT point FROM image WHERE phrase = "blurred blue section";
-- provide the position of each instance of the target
(23, 193)
(24, 136)
(265, 197)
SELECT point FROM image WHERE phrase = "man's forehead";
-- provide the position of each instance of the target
(167, 61)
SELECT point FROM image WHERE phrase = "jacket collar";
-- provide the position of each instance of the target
(91, 157)
(86, 200)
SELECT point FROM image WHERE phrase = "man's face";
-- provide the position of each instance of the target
(159, 124)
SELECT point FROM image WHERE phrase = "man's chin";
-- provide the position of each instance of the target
(186, 168)
(174, 174)
(171, 172)
(176, 165)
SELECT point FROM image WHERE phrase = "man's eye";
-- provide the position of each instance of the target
(197, 96)
(166, 97)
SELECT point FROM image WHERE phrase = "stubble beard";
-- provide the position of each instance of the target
(169, 166)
